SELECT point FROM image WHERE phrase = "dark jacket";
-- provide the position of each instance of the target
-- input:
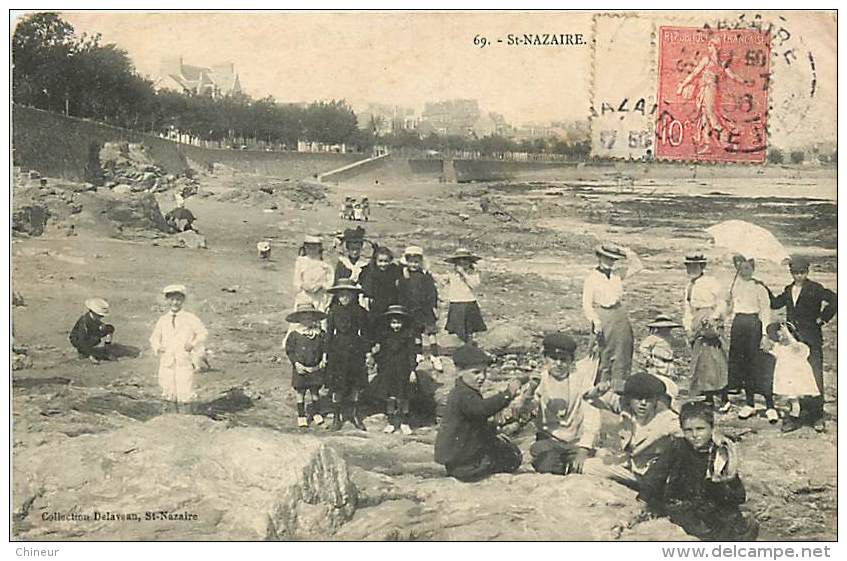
(418, 294)
(88, 331)
(465, 433)
(308, 351)
(380, 287)
(679, 474)
(815, 302)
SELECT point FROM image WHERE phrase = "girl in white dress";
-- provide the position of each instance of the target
(792, 376)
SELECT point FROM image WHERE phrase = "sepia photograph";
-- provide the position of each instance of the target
(435, 275)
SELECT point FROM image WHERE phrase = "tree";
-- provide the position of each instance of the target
(775, 156)
(43, 46)
(797, 157)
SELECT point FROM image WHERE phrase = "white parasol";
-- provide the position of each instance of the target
(749, 240)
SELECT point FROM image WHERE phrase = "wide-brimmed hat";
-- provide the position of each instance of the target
(396, 310)
(462, 253)
(643, 386)
(694, 259)
(356, 234)
(175, 289)
(303, 311)
(611, 251)
(311, 239)
(98, 306)
(344, 284)
(413, 250)
(662, 320)
(470, 356)
(263, 246)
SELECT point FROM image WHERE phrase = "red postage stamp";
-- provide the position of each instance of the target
(713, 94)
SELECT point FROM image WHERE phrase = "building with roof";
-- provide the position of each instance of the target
(215, 81)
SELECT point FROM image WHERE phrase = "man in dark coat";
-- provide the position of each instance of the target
(808, 306)
(467, 444)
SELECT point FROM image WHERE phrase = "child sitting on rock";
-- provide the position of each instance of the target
(418, 292)
(395, 358)
(695, 481)
(306, 349)
(347, 344)
(89, 331)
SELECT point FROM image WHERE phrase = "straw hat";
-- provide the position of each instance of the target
(98, 306)
(344, 284)
(263, 246)
(175, 289)
(462, 253)
(310, 239)
(611, 251)
(303, 311)
(413, 250)
(662, 320)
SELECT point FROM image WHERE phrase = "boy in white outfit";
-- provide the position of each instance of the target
(178, 340)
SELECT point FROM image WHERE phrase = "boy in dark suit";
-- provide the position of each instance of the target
(808, 306)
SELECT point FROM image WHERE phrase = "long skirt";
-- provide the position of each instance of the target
(745, 336)
(709, 371)
(617, 345)
(464, 319)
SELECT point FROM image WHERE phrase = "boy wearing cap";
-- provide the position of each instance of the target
(809, 306)
(90, 330)
(395, 358)
(695, 481)
(418, 293)
(566, 424)
(468, 444)
(347, 340)
(305, 347)
(178, 340)
(643, 431)
(602, 296)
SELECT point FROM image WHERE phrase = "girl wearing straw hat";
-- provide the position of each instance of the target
(305, 347)
(659, 339)
(90, 330)
(312, 276)
(347, 343)
(178, 340)
(602, 296)
(463, 315)
(703, 319)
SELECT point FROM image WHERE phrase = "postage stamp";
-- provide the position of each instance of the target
(712, 97)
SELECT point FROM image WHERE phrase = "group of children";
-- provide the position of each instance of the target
(353, 210)
(379, 312)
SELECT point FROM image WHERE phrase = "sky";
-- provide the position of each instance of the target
(410, 59)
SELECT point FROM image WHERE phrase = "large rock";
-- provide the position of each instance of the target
(191, 240)
(30, 220)
(233, 483)
(140, 212)
(505, 338)
(526, 506)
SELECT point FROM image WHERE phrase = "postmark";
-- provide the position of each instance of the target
(712, 95)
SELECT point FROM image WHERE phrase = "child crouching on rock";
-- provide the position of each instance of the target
(90, 330)
(306, 349)
(395, 357)
(347, 345)
(695, 481)
(178, 340)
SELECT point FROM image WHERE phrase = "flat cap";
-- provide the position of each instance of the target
(557, 344)
(469, 356)
(643, 386)
(798, 263)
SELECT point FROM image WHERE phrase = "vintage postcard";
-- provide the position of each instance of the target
(424, 275)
